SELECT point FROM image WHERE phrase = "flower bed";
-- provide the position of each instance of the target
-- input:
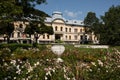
(78, 64)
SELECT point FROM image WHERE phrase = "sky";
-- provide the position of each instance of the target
(77, 9)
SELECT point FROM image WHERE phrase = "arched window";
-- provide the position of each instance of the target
(75, 30)
(61, 29)
(66, 36)
(69, 29)
(43, 36)
(55, 28)
(21, 26)
(75, 37)
(66, 29)
(48, 36)
(69, 37)
(80, 30)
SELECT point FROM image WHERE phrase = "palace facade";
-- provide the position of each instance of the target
(66, 31)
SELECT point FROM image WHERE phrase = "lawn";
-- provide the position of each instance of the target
(27, 62)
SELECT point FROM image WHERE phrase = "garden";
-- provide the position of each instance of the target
(38, 62)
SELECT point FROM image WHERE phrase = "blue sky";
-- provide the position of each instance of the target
(77, 9)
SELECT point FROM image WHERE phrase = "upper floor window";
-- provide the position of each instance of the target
(69, 37)
(80, 30)
(69, 29)
(56, 28)
(75, 37)
(66, 36)
(66, 29)
(61, 29)
(75, 30)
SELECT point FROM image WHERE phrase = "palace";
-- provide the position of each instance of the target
(67, 31)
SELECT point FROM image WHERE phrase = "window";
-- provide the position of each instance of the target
(61, 29)
(66, 29)
(80, 30)
(43, 36)
(69, 29)
(81, 37)
(66, 36)
(83, 30)
(75, 22)
(69, 37)
(55, 28)
(75, 37)
(18, 34)
(48, 36)
(21, 26)
(75, 30)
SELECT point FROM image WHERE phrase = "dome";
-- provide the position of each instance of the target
(57, 14)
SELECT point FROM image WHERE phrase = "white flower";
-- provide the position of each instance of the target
(5, 64)
(13, 62)
(23, 79)
(93, 63)
(100, 62)
(118, 66)
(65, 76)
(47, 59)
(18, 66)
(59, 60)
(107, 71)
(30, 69)
(68, 78)
(46, 78)
(18, 72)
(5, 79)
(90, 70)
(64, 69)
(37, 63)
(48, 73)
(14, 78)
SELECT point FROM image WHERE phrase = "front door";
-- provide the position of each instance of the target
(57, 36)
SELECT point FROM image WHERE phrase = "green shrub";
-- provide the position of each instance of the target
(12, 47)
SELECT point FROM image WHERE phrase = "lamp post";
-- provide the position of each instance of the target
(58, 50)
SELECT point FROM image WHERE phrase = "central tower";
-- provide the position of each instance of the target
(57, 14)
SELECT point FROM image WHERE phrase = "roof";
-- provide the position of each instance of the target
(58, 15)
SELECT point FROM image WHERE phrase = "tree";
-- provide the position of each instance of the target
(37, 29)
(91, 22)
(8, 9)
(111, 29)
(11, 10)
(90, 19)
(6, 29)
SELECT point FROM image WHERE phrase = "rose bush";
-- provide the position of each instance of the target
(78, 64)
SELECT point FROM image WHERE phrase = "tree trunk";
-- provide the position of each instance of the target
(8, 39)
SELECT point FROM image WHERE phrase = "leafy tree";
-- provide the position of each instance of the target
(6, 29)
(111, 29)
(37, 29)
(11, 10)
(91, 22)
(90, 19)
(8, 10)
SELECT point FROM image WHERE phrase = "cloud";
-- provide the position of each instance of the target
(72, 14)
